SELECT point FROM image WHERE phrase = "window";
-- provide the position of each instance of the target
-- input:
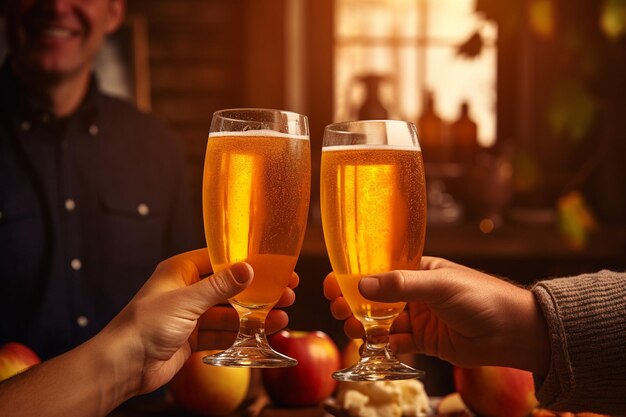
(399, 50)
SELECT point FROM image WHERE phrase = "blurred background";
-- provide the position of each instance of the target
(520, 107)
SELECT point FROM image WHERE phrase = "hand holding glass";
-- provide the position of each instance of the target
(373, 201)
(255, 199)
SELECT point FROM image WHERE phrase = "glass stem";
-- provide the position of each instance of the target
(377, 342)
(251, 329)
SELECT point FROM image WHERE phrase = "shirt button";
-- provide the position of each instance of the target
(82, 321)
(25, 126)
(76, 264)
(93, 130)
(143, 209)
(70, 204)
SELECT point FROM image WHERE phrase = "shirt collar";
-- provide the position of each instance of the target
(15, 100)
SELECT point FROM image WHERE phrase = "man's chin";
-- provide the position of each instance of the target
(47, 70)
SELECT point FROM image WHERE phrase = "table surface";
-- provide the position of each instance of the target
(170, 410)
(258, 405)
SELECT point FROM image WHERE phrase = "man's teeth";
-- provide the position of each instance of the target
(57, 32)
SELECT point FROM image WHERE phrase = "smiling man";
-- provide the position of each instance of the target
(54, 43)
(92, 192)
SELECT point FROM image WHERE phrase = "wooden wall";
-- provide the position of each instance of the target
(196, 59)
(207, 55)
(195, 66)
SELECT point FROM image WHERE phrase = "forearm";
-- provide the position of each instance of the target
(90, 380)
(526, 345)
(587, 326)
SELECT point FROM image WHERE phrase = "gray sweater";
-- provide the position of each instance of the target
(586, 318)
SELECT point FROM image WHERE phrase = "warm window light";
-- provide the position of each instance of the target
(412, 45)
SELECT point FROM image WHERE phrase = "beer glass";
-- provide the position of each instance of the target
(373, 201)
(255, 198)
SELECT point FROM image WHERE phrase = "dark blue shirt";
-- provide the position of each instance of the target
(88, 207)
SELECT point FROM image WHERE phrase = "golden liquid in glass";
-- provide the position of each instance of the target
(373, 201)
(255, 201)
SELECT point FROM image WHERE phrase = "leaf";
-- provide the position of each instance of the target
(526, 171)
(472, 47)
(613, 18)
(576, 220)
(571, 110)
(541, 17)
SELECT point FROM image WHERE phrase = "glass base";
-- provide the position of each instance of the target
(250, 357)
(377, 369)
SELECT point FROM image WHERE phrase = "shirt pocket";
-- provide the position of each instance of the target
(134, 228)
(22, 242)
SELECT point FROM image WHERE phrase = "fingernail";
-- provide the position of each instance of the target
(369, 285)
(242, 272)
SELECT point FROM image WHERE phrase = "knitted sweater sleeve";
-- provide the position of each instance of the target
(586, 318)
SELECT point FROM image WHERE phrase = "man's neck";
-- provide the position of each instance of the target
(61, 95)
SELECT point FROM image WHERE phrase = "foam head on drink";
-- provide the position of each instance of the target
(373, 201)
(255, 202)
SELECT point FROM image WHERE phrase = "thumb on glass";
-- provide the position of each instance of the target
(220, 286)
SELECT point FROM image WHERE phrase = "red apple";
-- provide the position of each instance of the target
(492, 391)
(14, 358)
(310, 382)
(209, 390)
